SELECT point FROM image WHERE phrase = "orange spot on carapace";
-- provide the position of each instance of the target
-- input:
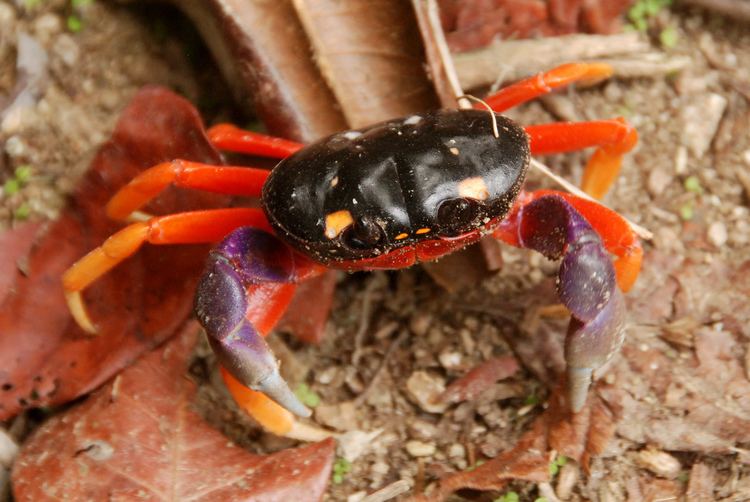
(336, 222)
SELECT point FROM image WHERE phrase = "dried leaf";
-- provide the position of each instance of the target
(139, 438)
(308, 313)
(45, 358)
(479, 379)
(264, 55)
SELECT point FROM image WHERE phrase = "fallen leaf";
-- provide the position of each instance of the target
(139, 438)
(479, 379)
(45, 358)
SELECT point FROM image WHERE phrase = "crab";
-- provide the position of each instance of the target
(385, 197)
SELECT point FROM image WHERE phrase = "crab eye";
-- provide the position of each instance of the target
(457, 216)
(363, 234)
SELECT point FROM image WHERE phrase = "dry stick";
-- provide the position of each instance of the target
(389, 492)
(383, 363)
(736, 9)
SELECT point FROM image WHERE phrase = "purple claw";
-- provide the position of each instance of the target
(587, 286)
(246, 257)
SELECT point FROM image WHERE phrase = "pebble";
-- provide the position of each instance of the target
(66, 48)
(15, 147)
(7, 18)
(8, 449)
(567, 480)
(450, 359)
(47, 26)
(700, 120)
(424, 388)
(660, 463)
(717, 234)
(420, 449)
(658, 180)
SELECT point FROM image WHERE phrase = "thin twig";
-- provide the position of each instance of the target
(364, 320)
(383, 363)
(570, 187)
(389, 492)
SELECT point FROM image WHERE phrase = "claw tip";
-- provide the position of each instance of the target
(78, 311)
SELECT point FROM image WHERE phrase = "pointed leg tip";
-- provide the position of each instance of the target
(275, 387)
(78, 310)
(579, 381)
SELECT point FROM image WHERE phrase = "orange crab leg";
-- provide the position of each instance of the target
(543, 83)
(182, 228)
(186, 174)
(234, 139)
(614, 138)
(617, 235)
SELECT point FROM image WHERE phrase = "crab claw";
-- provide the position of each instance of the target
(246, 259)
(587, 285)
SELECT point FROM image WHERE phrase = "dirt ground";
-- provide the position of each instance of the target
(393, 334)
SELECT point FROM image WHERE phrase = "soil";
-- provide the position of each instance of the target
(391, 334)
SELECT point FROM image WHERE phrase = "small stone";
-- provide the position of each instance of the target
(658, 180)
(15, 147)
(456, 450)
(420, 323)
(567, 480)
(681, 160)
(420, 449)
(746, 156)
(717, 233)
(700, 120)
(8, 449)
(47, 26)
(660, 463)
(424, 389)
(354, 444)
(450, 360)
(66, 48)
(421, 429)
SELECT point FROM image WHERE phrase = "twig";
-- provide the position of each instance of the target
(389, 492)
(736, 9)
(570, 187)
(515, 59)
(383, 363)
(364, 321)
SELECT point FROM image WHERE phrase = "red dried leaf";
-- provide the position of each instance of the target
(308, 313)
(44, 357)
(139, 438)
(479, 379)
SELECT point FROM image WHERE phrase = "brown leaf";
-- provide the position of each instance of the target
(371, 55)
(265, 57)
(45, 358)
(138, 438)
(308, 313)
(479, 379)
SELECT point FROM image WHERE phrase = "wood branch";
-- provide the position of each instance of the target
(513, 59)
(736, 9)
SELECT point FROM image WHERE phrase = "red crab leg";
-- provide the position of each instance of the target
(587, 285)
(617, 235)
(234, 139)
(543, 83)
(182, 228)
(186, 174)
(614, 138)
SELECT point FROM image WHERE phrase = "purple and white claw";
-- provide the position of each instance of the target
(246, 257)
(587, 285)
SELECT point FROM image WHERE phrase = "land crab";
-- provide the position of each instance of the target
(385, 197)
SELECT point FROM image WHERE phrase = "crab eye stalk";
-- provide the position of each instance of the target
(457, 216)
(363, 234)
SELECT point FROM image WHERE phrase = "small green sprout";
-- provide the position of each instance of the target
(532, 400)
(74, 23)
(78, 4)
(22, 212)
(340, 468)
(687, 211)
(540, 499)
(643, 10)
(554, 466)
(669, 37)
(472, 467)
(20, 177)
(693, 184)
(308, 396)
(508, 497)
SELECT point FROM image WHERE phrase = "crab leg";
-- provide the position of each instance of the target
(587, 283)
(614, 138)
(247, 285)
(543, 83)
(182, 228)
(186, 174)
(234, 139)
